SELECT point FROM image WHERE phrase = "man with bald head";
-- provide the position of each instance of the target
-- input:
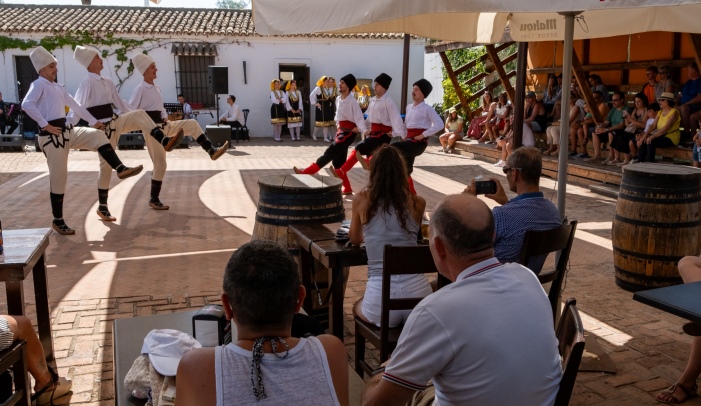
(487, 338)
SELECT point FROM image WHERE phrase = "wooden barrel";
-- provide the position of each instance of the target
(299, 199)
(658, 215)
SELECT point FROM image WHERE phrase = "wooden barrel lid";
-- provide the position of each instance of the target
(300, 183)
(662, 171)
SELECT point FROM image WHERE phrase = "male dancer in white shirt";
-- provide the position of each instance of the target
(421, 122)
(349, 121)
(147, 96)
(385, 123)
(97, 94)
(45, 103)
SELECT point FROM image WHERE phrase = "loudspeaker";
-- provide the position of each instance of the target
(218, 79)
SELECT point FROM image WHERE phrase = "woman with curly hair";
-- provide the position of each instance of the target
(386, 212)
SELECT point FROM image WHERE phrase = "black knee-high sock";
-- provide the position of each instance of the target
(57, 205)
(155, 189)
(102, 196)
(157, 133)
(204, 142)
(107, 152)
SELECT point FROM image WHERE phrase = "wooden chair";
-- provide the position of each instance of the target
(15, 358)
(539, 243)
(398, 260)
(570, 335)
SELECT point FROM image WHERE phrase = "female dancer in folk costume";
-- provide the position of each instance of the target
(294, 110)
(278, 113)
(323, 97)
(363, 98)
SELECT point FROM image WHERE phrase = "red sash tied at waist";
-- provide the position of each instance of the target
(377, 129)
(346, 125)
(413, 132)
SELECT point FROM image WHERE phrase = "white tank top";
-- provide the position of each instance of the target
(302, 378)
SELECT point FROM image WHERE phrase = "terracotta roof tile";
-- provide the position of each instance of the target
(45, 19)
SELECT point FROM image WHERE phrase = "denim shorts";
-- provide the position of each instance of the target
(697, 153)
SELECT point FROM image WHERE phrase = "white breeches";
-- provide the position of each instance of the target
(553, 134)
(56, 152)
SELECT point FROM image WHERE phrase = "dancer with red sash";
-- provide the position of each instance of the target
(385, 122)
(349, 121)
(421, 122)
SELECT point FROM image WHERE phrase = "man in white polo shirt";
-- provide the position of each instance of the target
(487, 338)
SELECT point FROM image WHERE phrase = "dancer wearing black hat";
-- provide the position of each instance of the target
(385, 122)
(349, 121)
(421, 122)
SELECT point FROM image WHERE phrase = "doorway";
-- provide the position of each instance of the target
(26, 74)
(300, 73)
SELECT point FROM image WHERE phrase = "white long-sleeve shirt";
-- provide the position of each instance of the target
(314, 95)
(423, 116)
(280, 93)
(233, 113)
(96, 90)
(148, 97)
(288, 105)
(384, 111)
(45, 102)
(348, 109)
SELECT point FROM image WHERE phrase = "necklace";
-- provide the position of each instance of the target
(256, 373)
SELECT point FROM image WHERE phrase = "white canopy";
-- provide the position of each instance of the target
(480, 21)
(484, 21)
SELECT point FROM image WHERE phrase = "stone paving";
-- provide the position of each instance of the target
(151, 262)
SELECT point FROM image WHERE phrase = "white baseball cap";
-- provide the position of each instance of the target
(165, 348)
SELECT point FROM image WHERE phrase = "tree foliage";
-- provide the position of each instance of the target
(233, 4)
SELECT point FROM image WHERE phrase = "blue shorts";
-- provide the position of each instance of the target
(696, 153)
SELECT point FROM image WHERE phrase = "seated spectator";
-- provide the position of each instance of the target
(506, 142)
(598, 86)
(386, 212)
(499, 124)
(535, 113)
(664, 131)
(651, 116)
(558, 98)
(553, 132)
(8, 117)
(453, 131)
(529, 210)
(233, 116)
(551, 94)
(262, 292)
(696, 154)
(491, 106)
(485, 339)
(686, 387)
(690, 102)
(586, 131)
(650, 87)
(604, 132)
(47, 385)
(635, 124)
(665, 84)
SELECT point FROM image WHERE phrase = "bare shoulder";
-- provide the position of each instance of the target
(196, 378)
(419, 203)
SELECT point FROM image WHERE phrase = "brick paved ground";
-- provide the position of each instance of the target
(151, 262)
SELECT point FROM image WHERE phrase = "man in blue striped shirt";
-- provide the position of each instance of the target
(529, 210)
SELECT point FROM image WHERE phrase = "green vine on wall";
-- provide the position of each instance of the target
(119, 47)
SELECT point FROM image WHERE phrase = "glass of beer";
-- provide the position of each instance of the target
(424, 226)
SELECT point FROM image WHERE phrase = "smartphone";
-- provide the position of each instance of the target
(485, 187)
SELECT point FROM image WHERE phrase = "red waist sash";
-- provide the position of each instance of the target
(413, 132)
(346, 125)
(377, 129)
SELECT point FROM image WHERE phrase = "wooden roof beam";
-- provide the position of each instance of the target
(584, 89)
(500, 70)
(456, 84)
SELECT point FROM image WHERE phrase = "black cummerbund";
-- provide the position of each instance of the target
(101, 111)
(59, 123)
(155, 116)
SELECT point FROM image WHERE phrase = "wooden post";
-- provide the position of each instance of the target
(405, 74)
(584, 89)
(696, 43)
(456, 84)
(500, 70)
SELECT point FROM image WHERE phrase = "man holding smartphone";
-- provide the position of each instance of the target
(529, 210)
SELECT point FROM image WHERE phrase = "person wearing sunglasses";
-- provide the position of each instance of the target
(529, 210)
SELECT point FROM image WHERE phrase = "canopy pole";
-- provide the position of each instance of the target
(521, 68)
(565, 113)
(405, 74)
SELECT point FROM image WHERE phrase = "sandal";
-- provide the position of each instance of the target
(669, 398)
(60, 387)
